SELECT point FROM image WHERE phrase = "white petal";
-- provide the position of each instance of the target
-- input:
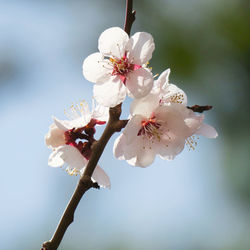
(96, 69)
(145, 157)
(207, 131)
(55, 137)
(101, 177)
(142, 44)
(55, 159)
(169, 149)
(123, 151)
(110, 93)
(118, 148)
(113, 42)
(163, 78)
(194, 123)
(171, 93)
(132, 128)
(62, 124)
(100, 112)
(139, 83)
(67, 155)
(140, 152)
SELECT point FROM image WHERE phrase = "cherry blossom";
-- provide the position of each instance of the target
(71, 140)
(120, 66)
(160, 124)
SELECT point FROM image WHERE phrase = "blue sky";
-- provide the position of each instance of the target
(43, 44)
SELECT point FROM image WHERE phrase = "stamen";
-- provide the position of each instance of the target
(72, 171)
(191, 142)
(122, 66)
(176, 98)
(150, 129)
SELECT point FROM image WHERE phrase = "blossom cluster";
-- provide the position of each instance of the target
(160, 122)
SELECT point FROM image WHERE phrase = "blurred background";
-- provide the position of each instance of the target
(201, 200)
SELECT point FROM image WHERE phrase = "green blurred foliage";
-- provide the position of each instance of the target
(206, 44)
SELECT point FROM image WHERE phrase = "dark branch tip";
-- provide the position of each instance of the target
(200, 109)
(47, 245)
(96, 185)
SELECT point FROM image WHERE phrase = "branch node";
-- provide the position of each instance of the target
(119, 125)
(87, 182)
(115, 112)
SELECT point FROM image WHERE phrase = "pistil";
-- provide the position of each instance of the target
(122, 66)
(150, 128)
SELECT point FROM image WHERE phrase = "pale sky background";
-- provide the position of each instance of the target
(182, 204)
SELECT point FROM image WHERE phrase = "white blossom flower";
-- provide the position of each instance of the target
(65, 138)
(120, 66)
(160, 124)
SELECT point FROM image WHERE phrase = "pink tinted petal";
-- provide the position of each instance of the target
(111, 93)
(207, 131)
(55, 137)
(142, 45)
(172, 121)
(139, 83)
(135, 66)
(144, 106)
(194, 123)
(101, 177)
(96, 69)
(113, 42)
(123, 78)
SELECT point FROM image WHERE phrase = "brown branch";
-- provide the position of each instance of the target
(68, 215)
(129, 17)
(85, 183)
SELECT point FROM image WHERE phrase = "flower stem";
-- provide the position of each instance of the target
(129, 17)
(85, 183)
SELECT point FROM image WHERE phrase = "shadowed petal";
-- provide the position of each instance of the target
(101, 177)
(142, 47)
(139, 83)
(207, 131)
(55, 137)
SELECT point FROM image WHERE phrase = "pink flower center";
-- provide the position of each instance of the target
(74, 137)
(150, 128)
(121, 67)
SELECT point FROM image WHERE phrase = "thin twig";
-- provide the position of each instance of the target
(200, 109)
(129, 17)
(85, 183)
